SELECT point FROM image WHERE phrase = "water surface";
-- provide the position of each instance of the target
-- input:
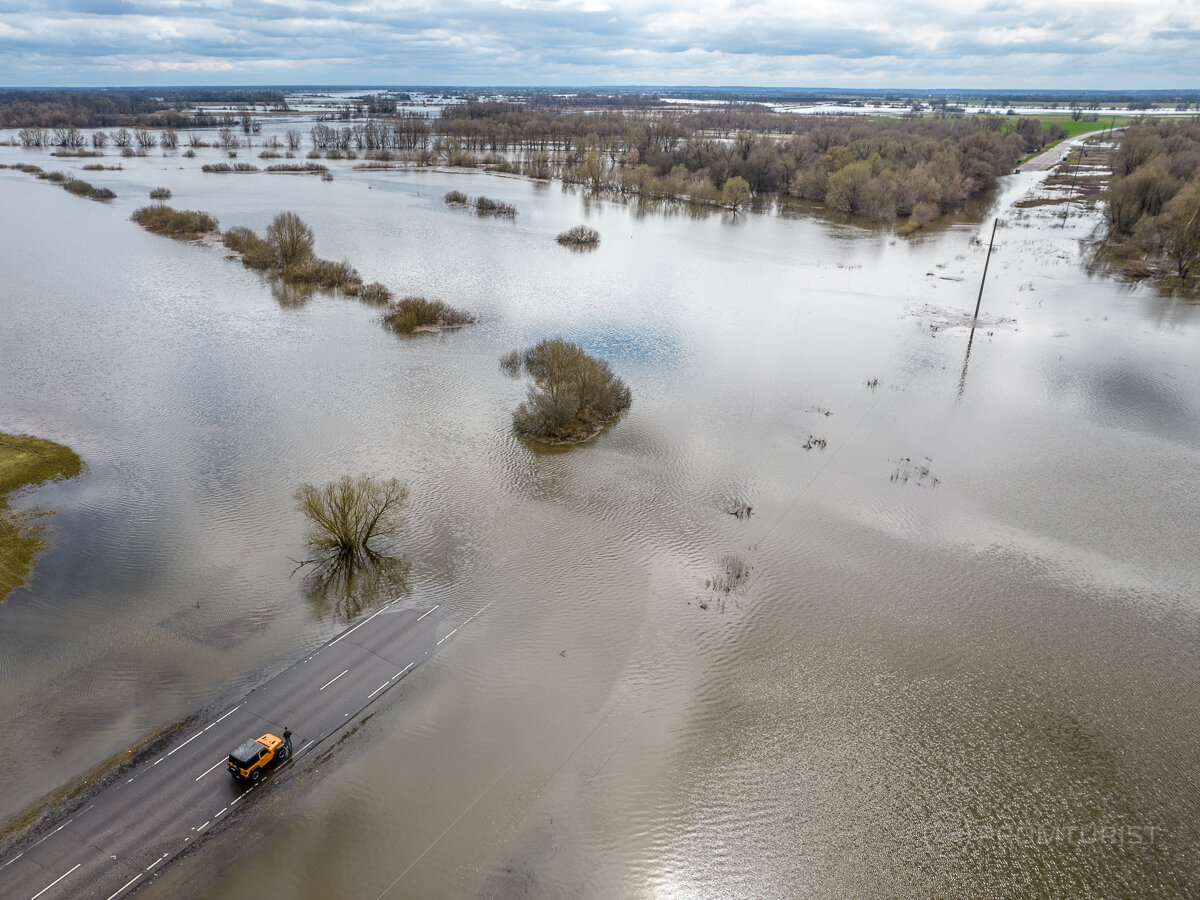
(964, 657)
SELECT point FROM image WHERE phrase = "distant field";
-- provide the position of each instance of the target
(1063, 120)
(1072, 128)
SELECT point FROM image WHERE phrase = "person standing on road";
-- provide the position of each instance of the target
(287, 739)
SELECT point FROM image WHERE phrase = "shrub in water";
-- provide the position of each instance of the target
(572, 396)
(485, 206)
(374, 293)
(174, 222)
(407, 315)
(579, 236)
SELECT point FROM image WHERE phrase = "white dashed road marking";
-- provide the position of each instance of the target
(332, 680)
(54, 882)
(378, 689)
(127, 884)
(220, 763)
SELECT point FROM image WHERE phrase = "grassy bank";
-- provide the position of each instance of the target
(26, 461)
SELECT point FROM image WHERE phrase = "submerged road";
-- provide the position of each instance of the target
(131, 829)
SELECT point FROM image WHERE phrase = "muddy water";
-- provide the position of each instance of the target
(961, 655)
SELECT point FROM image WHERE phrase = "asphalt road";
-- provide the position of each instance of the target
(132, 829)
(1048, 159)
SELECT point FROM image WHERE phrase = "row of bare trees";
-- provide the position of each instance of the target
(72, 138)
(405, 132)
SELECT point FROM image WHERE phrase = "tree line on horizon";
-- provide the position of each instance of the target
(128, 107)
(914, 169)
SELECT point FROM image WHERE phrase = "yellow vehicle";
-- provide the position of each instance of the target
(250, 759)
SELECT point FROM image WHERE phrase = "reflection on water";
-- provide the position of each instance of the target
(342, 587)
(915, 691)
(962, 379)
(290, 294)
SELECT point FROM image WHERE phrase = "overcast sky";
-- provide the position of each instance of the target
(782, 43)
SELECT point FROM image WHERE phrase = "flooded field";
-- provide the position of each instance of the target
(951, 647)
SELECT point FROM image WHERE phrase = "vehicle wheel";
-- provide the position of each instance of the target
(256, 774)
(282, 754)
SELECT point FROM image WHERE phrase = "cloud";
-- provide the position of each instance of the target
(934, 43)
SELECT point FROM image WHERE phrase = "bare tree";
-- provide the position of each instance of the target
(68, 138)
(346, 515)
(33, 137)
(123, 139)
(169, 139)
(291, 240)
(145, 140)
(228, 138)
(99, 139)
(293, 139)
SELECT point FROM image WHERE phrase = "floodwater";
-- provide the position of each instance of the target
(960, 650)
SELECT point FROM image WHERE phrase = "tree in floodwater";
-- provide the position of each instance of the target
(1176, 232)
(572, 397)
(1153, 200)
(736, 192)
(346, 515)
(291, 240)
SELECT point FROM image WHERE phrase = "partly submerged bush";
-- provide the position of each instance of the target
(287, 252)
(77, 187)
(299, 168)
(323, 273)
(174, 222)
(374, 293)
(485, 206)
(101, 194)
(579, 236)
(573, 394)
(407, 315)
(160, 193)
(256, 253)
(225, 168)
